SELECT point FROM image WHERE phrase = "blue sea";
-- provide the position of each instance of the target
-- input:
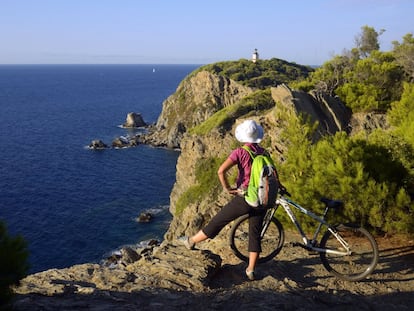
(71, 204)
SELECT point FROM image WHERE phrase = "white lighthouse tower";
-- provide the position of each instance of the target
(255, 56)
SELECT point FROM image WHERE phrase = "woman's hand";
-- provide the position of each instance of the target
(233, 191)
(236, 191)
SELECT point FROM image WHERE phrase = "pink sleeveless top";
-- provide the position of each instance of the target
(244, 163)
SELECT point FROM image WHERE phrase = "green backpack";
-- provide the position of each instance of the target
(263, 185)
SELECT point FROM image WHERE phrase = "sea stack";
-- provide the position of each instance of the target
(134, 119)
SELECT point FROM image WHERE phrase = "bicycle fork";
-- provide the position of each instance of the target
(345, 245)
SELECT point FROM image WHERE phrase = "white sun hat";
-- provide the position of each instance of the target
(249, 132)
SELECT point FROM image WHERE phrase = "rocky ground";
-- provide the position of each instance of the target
(178, 279)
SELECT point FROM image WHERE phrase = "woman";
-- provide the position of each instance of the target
(251, 134)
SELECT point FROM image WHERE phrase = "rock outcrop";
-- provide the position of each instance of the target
(145, 217)
(368, 122)
(126, 141)
(330, 113)
(97, 144)
(168, 266)
(179, 279)
(196, 99)
(134, 119)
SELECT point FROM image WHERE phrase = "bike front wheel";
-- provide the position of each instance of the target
(359, 262)
(271, 242)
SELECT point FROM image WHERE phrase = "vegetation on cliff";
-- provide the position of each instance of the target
(254, 103)
(262, 74)
(206, 183)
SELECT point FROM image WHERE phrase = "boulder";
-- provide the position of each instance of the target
(129, 255)
(125, 141)
(119, 142)
(134, 119)
(145, 217)
(97, 144)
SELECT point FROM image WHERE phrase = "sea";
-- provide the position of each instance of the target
(71, 204)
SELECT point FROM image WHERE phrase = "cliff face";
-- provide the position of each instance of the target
(329, 112)
(195, 100)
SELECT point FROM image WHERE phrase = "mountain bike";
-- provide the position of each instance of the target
(347, 251)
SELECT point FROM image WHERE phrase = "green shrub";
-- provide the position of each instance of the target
(372, 180)
(263, 74)
(207, 184)
(252, 103)
(13, 262)
(373, 84)
(401, 114)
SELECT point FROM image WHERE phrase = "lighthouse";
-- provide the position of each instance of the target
(255, 56)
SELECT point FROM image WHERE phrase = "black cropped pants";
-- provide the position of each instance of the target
(232, 210)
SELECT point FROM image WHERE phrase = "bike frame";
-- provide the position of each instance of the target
(309, 244)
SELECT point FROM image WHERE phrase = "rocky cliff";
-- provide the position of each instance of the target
(197, 98)
(170, 266)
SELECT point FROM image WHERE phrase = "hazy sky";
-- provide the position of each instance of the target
(307, 32)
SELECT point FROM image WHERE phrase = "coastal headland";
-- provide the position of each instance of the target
(168, 276)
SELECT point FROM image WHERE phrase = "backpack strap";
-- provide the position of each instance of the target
(252, 154)
(247, 148)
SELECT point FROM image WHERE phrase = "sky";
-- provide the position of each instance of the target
(307, 32)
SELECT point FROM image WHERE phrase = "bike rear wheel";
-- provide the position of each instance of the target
(271, 243)
(357, 265)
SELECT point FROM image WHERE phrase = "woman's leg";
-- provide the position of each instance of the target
(198, 237)
(253, 257)
(255, 227)
(229, 212)
(235, 208)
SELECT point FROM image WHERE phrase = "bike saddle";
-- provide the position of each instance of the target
(332, 203)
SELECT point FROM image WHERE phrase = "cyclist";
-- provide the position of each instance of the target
(251, 134)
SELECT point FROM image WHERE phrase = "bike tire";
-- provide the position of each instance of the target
(360, 263)
(271, 243)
